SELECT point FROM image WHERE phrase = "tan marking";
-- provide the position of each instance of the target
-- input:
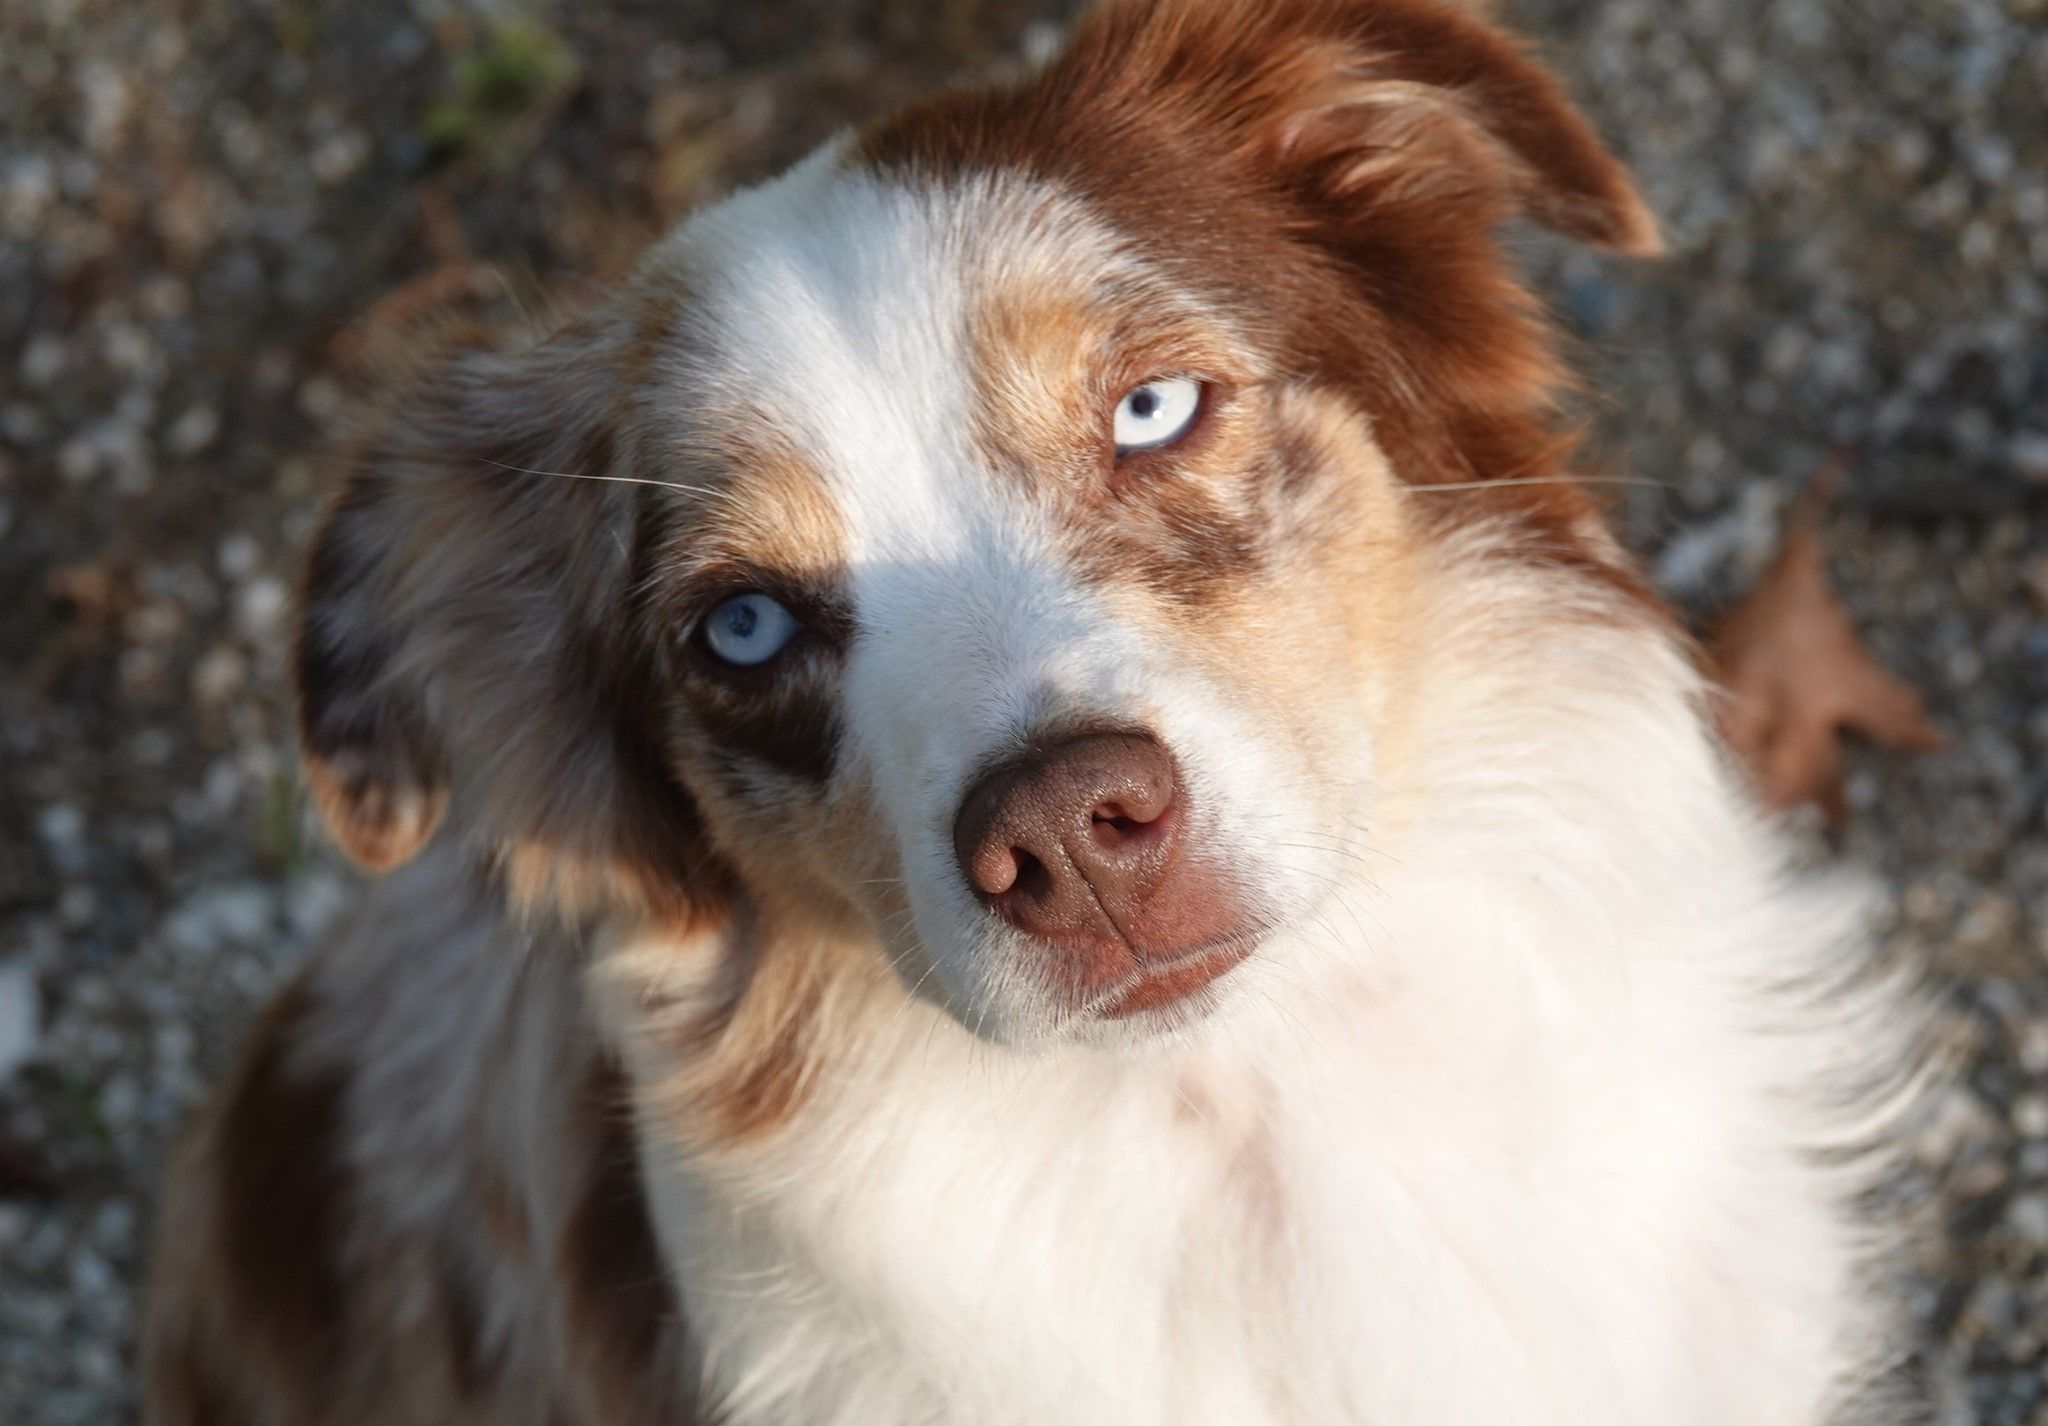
(379, 824)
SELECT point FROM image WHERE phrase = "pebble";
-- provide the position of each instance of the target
(2028, 452)
(193, 432)
(61, 829)
(21, 1010)
(235, 914)
(2028, 1217)
(2030, 1116)
(260, 607)
(44, 358)
(219, 676)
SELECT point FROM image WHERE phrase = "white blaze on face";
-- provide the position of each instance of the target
(841, 306)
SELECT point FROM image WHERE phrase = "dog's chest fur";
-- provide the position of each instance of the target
(1003, 1245)
(1565, 1142)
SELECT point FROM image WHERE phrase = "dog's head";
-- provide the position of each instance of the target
(999, 533)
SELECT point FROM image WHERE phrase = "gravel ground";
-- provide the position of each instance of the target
(199, 203)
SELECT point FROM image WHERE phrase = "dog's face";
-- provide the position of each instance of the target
(1001, 610)
(996, 535)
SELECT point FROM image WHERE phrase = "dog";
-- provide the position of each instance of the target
(1021, 785)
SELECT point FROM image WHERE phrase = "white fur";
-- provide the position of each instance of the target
(1519, 1118)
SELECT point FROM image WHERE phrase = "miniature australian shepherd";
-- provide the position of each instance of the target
(1019, 788)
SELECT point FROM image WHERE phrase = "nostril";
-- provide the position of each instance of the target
(1112, 830)
(1118, 823)
(1033, 881)
(1122, 812)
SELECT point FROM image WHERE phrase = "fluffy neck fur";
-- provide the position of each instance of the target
(1531, 1122)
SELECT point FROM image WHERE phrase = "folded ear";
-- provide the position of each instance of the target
(1373, 101)
(468, 651)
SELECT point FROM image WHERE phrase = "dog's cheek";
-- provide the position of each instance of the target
(1316, 645)
(808, 844)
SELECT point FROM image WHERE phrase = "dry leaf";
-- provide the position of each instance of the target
(1798, 677)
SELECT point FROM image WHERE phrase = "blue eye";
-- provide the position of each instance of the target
(1156, 414)
(748, 629)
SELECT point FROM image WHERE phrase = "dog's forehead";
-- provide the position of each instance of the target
(857, 313)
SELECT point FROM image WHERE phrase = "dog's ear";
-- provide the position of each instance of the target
(1382, 103)
(468, 650)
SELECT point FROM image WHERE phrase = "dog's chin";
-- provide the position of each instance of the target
(1029, 1010)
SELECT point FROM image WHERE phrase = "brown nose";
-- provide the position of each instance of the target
(1079, 844)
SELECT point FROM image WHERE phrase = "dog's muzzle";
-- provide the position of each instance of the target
(1082, 844)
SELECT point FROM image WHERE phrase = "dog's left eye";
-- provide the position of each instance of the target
(1156, 414)
(749, 629)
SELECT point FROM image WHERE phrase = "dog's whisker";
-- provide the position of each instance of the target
(1508, 482)
(609, 479)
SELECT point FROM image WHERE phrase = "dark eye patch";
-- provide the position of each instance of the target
(782, 714)
(787, 720)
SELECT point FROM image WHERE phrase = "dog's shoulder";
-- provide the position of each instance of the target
(416, 1198)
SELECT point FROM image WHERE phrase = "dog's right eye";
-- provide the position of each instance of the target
(1156, 414)
(749, 629)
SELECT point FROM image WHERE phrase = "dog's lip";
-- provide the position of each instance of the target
(1161, 982)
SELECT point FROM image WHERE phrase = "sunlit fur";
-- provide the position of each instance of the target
(675, 1074)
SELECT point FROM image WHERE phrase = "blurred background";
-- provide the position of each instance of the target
(213, 213)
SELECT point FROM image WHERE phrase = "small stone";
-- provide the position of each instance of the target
(61, 829)
(108, 100)
(315, 902)
(1994, 1306)
(238, 556)
(2029, 455)
(77, 906)
(261, 606)
(2036, 577)
(1959, 1120)
(338, 156)
(21, 423)
(1991, 924)
(240, 914)
(80, 459)
(158, 622)
(321, 398)
(44, 359)
(1909, 152)
(21, 1013)
(113, 1226)
(219, 676)
(193, 432)
(174, 1044)
(2032, 1050)
(1926, 904)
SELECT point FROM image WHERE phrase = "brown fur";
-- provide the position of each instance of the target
(1327, 176)
(269, 1236)
(384, 1218)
